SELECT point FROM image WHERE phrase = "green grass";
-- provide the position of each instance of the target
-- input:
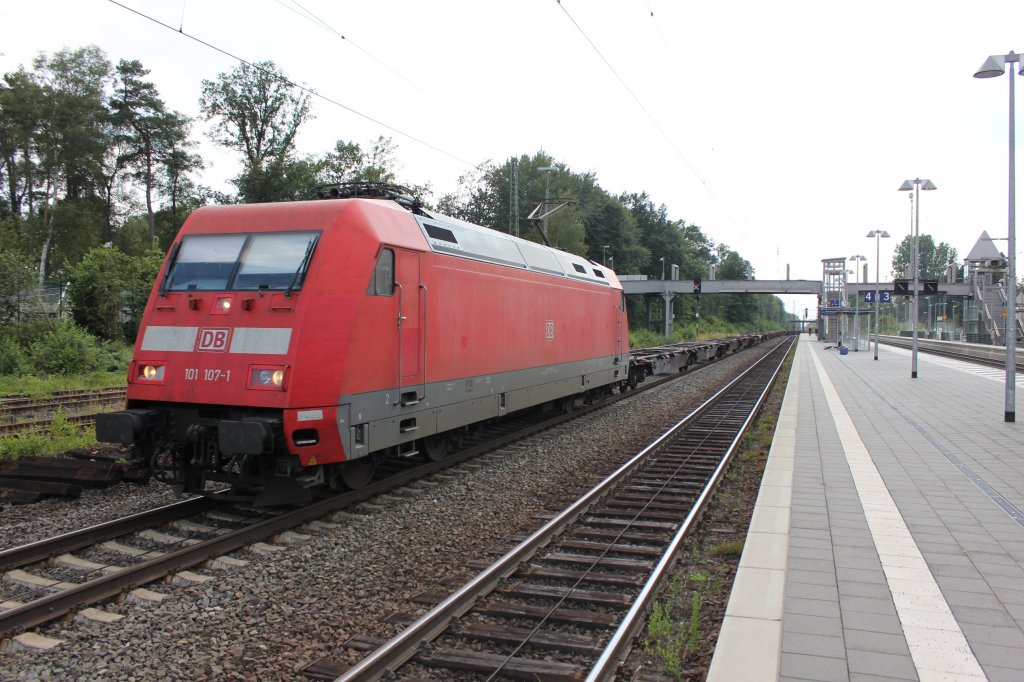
(732, 548)
(40, 386)
(673, 628)
(63, 436)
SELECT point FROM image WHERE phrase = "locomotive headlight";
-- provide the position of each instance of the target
(267, 378)
(150, 373)
(221, 305)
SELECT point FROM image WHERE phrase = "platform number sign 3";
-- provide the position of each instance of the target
(549, 330)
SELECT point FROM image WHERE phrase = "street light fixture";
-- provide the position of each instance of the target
(604, 255)
(878, 235)
(917, 184)
(856, 300)
(662, 259)
(996, 66)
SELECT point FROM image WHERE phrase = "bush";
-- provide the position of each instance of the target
(114, 357)
(68, 349)
(108, 291)
(24, 333)
(16, 277)
(13, 359)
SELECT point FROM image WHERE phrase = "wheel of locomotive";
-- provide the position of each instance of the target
(357, 473)
(568, 404)
(437, 447)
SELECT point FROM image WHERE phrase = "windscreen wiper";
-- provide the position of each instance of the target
(302, 266)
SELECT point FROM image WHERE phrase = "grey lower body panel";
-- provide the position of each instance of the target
(369, 422)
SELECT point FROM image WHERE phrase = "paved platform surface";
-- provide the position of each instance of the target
(888, 538)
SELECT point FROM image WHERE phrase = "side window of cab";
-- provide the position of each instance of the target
(383, 283)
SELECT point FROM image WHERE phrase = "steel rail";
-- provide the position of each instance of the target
(403, 646)
(13, 406)
(32, 552)
(979, 354)
(619, 645)
(54, 606)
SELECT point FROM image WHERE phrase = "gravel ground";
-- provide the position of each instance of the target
(272, 617)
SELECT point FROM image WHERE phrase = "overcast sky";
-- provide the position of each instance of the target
(782, 129)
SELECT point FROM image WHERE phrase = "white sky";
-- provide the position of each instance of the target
(782, 129)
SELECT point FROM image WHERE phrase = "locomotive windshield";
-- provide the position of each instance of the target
(222, 262)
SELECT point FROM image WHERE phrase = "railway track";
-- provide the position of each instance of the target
(25, 413)
(187, 535)
(567, 601)
(980, 354)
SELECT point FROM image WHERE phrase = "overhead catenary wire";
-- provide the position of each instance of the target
(303, 88)
(312, 17)
(650, 116)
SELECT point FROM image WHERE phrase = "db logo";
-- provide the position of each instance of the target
(549, 330)
(214, 340)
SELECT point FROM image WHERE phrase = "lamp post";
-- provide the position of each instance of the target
(604, 255)
(878, 235)
(662, 259)
(917, 184)
(996, 66)
(547, 170)
(856, 300)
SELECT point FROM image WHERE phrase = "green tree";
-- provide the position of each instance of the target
(23, 109)
(349, 162)
(257, 111)
(933, 260)
(109, 289)
(735, 308)
(183, 195)
(589, 218)
(150, 134)
(70, 143)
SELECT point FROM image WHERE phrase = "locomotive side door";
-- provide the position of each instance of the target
(620, 314)
(411, 330)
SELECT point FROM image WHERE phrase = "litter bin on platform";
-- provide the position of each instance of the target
(843, 350)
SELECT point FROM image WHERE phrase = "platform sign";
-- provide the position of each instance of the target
(833, 303)
(883, 296)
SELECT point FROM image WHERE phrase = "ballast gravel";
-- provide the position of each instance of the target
(285, 609)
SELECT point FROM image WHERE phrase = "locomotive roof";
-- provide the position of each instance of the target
(456, 237)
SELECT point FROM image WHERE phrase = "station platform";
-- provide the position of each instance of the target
(888, 538)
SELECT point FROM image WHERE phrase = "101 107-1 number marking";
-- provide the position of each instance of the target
(195, 374)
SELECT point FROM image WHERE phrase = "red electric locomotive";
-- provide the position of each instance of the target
(289, 346)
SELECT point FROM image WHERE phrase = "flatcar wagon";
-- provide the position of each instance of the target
(287, 347)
